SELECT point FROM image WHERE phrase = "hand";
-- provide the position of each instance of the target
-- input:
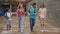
(28, 14)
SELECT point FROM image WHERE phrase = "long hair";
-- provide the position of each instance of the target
(19, 6)
(42, 5)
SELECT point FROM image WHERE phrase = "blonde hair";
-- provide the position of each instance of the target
(19, 5)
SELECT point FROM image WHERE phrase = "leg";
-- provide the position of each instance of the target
(7, 27)
(31, 24)
(22, 23)
(42, 22)
(7, 24)
(19, 19)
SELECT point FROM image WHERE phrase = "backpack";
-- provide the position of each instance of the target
(7, 16)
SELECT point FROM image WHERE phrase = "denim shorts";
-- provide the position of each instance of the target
(8, 22)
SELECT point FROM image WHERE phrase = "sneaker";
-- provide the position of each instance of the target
(10, 30)
(31, 30)
(21, 31)
(42, 30)
(5, 32)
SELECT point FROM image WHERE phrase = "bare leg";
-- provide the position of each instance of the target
(42, 23)
(9, 27)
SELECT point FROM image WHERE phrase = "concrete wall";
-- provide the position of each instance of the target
(53, 7)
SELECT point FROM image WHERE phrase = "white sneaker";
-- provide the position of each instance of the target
(42, 30)
(21, 31)
(10, 30)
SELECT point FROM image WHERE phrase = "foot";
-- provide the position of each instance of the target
(21, 31)
(42, 30)
(10, 30)
(32, 30)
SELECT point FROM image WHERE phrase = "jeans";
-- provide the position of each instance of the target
(21, 23)
(32, 23)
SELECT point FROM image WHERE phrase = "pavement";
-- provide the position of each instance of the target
(49, 28)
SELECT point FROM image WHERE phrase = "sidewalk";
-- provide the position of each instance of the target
(50, 29)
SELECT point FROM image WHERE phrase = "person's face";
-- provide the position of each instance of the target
(42, 6)
(31, 6)
(9, 10)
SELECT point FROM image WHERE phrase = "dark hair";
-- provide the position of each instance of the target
(7, 9)
(19, 7)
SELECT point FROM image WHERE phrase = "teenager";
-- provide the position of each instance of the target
(8, 16)
(32, 16)
(20, 15)
(42, 15)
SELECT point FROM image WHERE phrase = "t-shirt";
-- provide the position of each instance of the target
(32, 11)
(42, 12)
(8, 15)
(20, 12)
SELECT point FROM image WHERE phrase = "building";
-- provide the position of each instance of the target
(11, 4)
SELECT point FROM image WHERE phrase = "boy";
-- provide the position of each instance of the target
(8, 19)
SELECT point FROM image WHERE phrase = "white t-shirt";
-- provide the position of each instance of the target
(42, 12)
(9, 15)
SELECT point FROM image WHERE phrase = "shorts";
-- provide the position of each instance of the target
(8, 22)
(42, 17)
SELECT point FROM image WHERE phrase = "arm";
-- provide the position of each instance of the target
(38, 12)
(28, 12)
(46, 12)
(17, 13)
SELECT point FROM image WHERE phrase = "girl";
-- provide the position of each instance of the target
(42, 15)
(20, 14)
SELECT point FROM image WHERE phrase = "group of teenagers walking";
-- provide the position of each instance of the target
(20, 12)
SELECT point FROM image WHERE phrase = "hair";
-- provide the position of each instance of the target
(42, 5)
(31, 4)
(19, 6)
(7, 9)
